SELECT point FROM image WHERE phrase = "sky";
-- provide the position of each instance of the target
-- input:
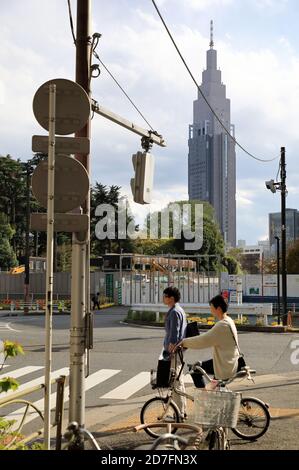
(258, 53)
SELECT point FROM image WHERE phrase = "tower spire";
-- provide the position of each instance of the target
(212, 35)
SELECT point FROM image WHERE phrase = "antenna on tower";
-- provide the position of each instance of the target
(212, 35)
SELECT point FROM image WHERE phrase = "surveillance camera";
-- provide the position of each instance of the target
(271, 185)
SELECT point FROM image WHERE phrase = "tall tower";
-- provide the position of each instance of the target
(212, 156)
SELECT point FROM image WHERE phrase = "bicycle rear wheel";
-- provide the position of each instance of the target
(159, 410)
(253, 419)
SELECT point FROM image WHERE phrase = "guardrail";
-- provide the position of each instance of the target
(259, 310)
(15, 398)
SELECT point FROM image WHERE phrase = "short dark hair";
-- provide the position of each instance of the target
(172, 292)
(219, 301)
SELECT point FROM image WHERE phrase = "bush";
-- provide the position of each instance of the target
(148, 316)
(135, 315)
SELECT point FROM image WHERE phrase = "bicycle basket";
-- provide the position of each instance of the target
(216, 408)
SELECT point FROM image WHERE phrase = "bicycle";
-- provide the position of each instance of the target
(253, 418)
(171, 441)
(75, 436)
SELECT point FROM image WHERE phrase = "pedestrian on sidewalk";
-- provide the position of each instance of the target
(96, 301)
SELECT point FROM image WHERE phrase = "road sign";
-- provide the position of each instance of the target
(72, 106)
(64, 145)
(62, 222)
(71, 183)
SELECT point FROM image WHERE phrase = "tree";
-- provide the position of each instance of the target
(212, 243)
(232, 261)
(101, 194)
(7, 256)
(270, 266)
(293, 258)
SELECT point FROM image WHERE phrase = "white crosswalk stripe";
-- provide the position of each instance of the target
(130, 387)
(22, 371)
(37, 381)
(91, 381)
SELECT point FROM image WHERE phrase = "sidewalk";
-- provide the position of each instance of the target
(113, 425)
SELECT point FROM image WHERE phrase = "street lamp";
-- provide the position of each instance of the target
(273, 187)
(278, 278)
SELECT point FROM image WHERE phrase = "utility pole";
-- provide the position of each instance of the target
(80, 243)
(278, 278)
(283, 236)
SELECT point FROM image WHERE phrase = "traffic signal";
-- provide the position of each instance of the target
(142, 184)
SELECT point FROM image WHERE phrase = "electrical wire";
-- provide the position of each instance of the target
(94, 45)
(202, 94)
(121, 88)
(71, 20)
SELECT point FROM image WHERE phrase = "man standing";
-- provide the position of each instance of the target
(175, 328)
(96, 301)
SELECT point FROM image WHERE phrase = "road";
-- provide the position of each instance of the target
(123, 356)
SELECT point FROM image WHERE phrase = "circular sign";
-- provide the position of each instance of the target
(72, 106)
(71, 183)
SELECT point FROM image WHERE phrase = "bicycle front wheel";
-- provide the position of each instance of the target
(217, 439)
(159, 410)
(253, 419)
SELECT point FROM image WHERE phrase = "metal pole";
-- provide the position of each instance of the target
(27, 254)
(262, 273)
(120, 276)
(278, 278)
(283, 236)
(81, 249)
(49, 271)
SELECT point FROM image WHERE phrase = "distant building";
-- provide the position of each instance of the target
(212, 156)
(37, 264)
(292, 226)
(252, 255)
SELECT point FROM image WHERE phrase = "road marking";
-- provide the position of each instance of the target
(7, 326)
(39, 380)
(130, 387)
(91, 381)
(22, 371)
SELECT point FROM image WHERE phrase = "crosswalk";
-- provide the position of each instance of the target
(125, 390)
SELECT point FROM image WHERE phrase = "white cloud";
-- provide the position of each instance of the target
(201, 4)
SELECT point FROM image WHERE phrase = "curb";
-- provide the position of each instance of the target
(251, 328)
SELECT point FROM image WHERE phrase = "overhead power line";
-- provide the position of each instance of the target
(203, 96)
(94, 44)
(71, 20)
(121, 88)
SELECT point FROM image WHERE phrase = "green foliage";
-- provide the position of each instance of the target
(212, 245)
(148, 316)
(8, 383)
(293, 259)
(231, 264)
(12, 349)
(7, 256)
(101, 194)
(8, 436)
